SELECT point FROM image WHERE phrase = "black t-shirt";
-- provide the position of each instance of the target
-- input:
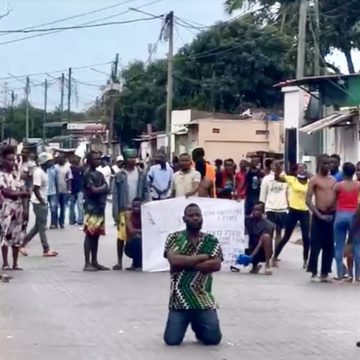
(94, 203)
(255, 228)
(253, 183)
(77, 178)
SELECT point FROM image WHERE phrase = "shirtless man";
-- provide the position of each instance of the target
(322, 187)
(206, 188)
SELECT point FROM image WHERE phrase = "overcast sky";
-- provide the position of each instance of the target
(77, 48)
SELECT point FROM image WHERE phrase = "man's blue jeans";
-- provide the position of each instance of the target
(356, 255)
(204, 323)
(342, 224)
(78, 201)
(53, 205)
(63, 199)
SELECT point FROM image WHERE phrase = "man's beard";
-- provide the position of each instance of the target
(194, 227)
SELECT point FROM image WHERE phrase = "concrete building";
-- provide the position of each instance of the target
(324, 112)
(226, 135)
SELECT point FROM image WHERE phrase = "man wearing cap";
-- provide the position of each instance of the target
(40, 206)
(129, 183)
(119, 164)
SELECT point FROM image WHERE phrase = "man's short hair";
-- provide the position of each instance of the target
(91, 154)
(336, 156)
(190, 206)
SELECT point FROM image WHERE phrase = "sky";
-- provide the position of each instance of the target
(83, 47)
(77, 48)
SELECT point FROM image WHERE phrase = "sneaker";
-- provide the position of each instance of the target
(315, 279)
(325, 279)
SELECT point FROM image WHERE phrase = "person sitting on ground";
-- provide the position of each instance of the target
(133, 245)
(193, 257)
(206, 188)
(260, 231)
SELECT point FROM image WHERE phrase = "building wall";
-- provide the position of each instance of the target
(235, 138)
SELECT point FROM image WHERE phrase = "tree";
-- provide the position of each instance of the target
(339, 23)
(225, 69)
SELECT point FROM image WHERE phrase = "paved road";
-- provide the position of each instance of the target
(55, 311)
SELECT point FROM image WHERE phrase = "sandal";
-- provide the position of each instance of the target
(6, 267)
(50, 254)
(23, 252)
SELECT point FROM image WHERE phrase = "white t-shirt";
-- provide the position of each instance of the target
(274, 194)
(63, 176)
(183, 183)
(40, 178)
(106, 171)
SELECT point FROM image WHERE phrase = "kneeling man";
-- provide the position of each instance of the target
(193, 257)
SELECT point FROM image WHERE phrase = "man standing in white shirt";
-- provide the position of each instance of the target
(274, 196)
(186, 181)
(64, 176)
(159, 178)
(39, 201)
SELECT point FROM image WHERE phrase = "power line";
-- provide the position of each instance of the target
(74, 27)
(76, 16)
(58, 71)
(87, 23)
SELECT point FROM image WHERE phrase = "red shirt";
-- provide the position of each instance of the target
(347, 200)
(240, 187)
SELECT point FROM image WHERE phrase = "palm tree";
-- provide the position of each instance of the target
(233, 5)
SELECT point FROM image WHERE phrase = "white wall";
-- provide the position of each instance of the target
(179, 119)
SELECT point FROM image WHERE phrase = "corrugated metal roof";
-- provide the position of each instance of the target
(314, 79)
(329, 121)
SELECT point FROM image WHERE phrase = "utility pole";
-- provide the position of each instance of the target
(317, 39)
(170, 80)
(45, 108)
(62, 92)
(302, 39)
(69, 95)
(115, 69)
(27, 92)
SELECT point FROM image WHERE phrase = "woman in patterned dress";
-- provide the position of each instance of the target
(13, 214)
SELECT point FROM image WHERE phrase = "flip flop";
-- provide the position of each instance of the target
(23, 252)
(50, 254)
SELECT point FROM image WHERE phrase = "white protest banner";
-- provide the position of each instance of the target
(223, 218)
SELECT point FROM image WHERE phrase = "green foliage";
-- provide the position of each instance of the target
(226, 68)
(339, 22)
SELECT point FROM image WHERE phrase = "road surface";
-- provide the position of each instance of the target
(54, 311)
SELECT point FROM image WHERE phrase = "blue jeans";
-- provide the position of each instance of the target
(53, 205)
(356, 255)
(204, 323)
(133, 250)
(63, 198)
(342, 224)
(78, 200)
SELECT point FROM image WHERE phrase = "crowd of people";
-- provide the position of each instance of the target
(325, 205)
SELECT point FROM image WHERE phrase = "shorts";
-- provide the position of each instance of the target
(277, 218)
(94, 225)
